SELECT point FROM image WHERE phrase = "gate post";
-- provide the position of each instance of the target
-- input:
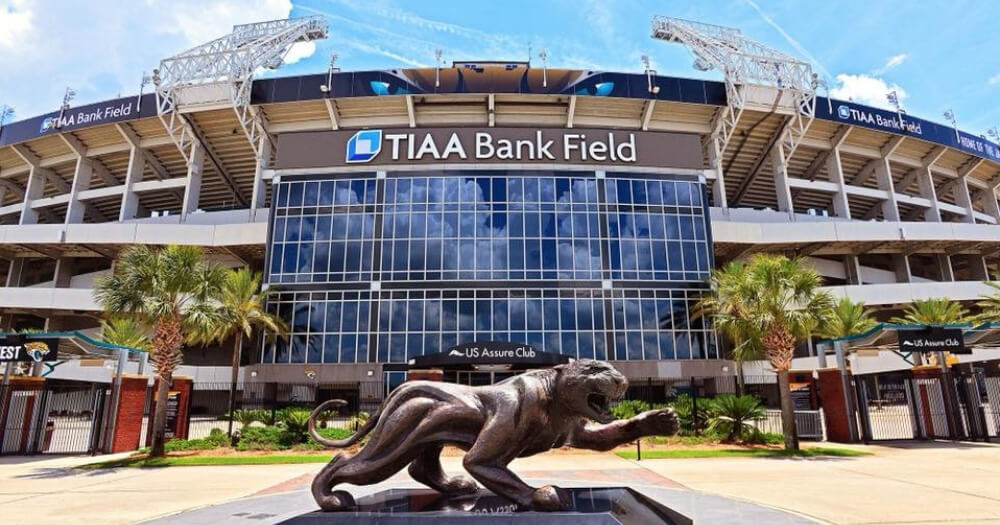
(835, 410)
(127, 426)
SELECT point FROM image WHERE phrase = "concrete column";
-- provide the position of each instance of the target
(990, 204)
(845, 378)
(901, 265)
(841, 205)
(821, 355)
(15, 275)
(925, 182)
(883, 175)
(192, 191)
(719, 187)
(782, 191)
(257, 199)
(977, 267)
(35, 189)
(945, 272)
(76, 209)
(852, 268)
(964, 199)
(130, 199)
(64, 273)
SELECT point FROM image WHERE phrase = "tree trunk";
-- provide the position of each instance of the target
(160, 414)
(740, 380)
(167, 342)
(237, 351)
(787, 412)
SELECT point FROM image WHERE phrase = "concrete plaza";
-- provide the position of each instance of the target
(906, 483)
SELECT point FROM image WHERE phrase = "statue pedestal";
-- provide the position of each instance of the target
(588, 506)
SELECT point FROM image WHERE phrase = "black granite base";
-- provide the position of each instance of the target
(588, 506)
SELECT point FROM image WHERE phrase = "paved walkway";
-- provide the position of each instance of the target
(913, 483)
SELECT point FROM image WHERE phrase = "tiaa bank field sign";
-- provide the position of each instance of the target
(488, 145)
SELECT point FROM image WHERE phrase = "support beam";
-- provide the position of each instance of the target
(752, 175)
(35, 189)
(889, 206)
(719, 197)
(192, 192)
(105, 252)
(647, 114)
(945, 271)
(990, 204)
(491, 109)
(571, 111)
(866, 172)
(43, 250)
(76, 209)
(852, 269)
(410, 113)
(227, 179)
(978, 269)
(901, 266)
(783, 193)
(331, 111)
(257, 200)
(962, 197)
(130, 199)
(835, 170)
(925, 184)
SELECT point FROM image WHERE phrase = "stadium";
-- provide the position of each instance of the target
(468, 221)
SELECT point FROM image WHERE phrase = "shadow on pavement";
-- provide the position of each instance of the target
(936, 444)
(62, 472)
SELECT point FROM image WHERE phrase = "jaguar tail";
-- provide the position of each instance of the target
(339, 443)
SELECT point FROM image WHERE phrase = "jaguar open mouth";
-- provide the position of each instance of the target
(599, 403)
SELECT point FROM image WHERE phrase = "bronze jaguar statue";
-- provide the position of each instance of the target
(521, 416)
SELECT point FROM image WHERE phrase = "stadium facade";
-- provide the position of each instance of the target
(491, 216)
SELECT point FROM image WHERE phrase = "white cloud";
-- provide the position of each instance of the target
(300, 50)
(893, 62)
(15, 22)
(865, 89)
(102, 47)
(995, 79)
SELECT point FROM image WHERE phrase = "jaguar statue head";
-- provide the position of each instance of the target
(587, 388)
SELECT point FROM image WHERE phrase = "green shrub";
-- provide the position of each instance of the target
(629, 408)
(295, 422)
(247, 417)
(732, 416)
(684, 408)
(216, 438)
(764, 438)
(262, 438)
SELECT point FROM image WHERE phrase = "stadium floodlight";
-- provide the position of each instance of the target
(993, 133)
(145, 81)
(822, 83)
(437, 67)
(328, 87)
(220, 73)
(544, 56)
(649, 75)
(745, 62)
(949, 115)
(68, 97)
(6, 112)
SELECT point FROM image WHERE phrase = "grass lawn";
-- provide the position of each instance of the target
(741, 453)
(193, 461)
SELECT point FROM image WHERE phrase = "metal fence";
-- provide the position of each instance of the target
(53, 419)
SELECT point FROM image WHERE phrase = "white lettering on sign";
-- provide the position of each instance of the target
(475, 352)
(575, 147)
(9, 353)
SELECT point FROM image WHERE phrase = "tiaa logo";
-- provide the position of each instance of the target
(48, 124)
(364, 145)
(844, 112)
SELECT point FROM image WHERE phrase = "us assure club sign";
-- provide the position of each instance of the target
(933, 339)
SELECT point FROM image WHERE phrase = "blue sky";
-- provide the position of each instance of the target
(937, 55)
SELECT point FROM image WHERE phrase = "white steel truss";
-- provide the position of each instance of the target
(745, 62)
(220, 73)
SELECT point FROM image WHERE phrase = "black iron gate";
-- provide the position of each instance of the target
(53, 419)
(962, 404)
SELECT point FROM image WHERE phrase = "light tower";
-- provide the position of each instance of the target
(220, 74)
(745, 64)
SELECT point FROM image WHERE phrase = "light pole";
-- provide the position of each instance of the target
(949, 115)
(649, 75)
(437, 68)
(6, 112)
(545, 72)
(893, 98)
(67, 98)
(146, 80)
(993, 133)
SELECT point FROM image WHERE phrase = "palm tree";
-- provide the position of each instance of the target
(847, 318)
(775, 304)
(727, 286)
(990, 304)
(934, 311)
(170, 289)
(238, 310)
(125, 331)
(733, 416)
